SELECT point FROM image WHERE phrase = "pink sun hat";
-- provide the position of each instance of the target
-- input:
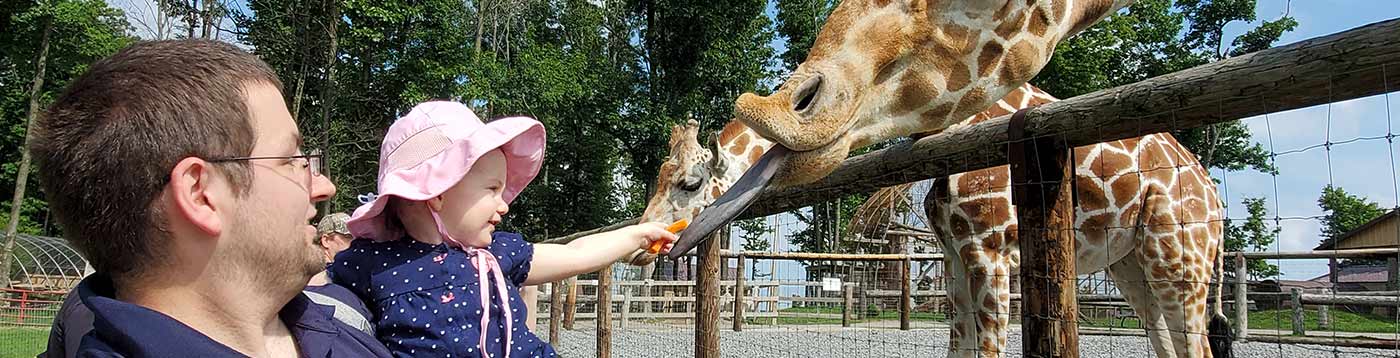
(432, 148)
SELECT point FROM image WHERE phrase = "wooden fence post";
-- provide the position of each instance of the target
(571, 304)
(1298, 328)
(739, 294)
(626, 310)
(905, 302)
(707, 297)
(604, 309)
(1241, 298)
(1041, 179)
(556, 311)
(847, 307)
(1323, 322)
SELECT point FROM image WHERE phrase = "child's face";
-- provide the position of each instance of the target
(472, 208)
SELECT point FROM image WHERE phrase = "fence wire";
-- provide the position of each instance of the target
(788, 314)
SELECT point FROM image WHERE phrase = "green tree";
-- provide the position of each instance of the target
(694, 59)
(754, 229)
(798, 23)
(1344, 211)
(43, 47)
(565, 76)
(1252, 235)
(1157, 37)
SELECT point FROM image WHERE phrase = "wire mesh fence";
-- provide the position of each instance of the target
(905, 276)
(1151, 221)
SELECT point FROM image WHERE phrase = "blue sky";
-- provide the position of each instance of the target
(1364, 167)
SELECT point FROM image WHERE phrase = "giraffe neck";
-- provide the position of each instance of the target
(966, 63)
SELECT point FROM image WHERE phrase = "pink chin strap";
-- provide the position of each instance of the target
(487, 267)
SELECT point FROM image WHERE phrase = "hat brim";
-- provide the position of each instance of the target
(521, 139)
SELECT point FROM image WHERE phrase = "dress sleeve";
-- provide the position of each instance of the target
(514, 254)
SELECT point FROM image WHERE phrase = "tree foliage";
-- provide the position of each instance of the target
(1344, 212)
(1157, 37)
(83, 32)
(605, 77)
(1252, 235)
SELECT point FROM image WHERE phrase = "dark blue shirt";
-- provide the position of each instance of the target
(123, 329)
(426, 302)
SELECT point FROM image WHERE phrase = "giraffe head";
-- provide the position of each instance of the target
(681, 184)
(686, 171)
(881, 69)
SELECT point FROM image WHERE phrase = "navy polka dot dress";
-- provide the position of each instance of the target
(426, 302)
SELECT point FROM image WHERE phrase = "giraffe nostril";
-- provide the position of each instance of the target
(807, 93)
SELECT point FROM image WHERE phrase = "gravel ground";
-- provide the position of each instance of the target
(666, 341)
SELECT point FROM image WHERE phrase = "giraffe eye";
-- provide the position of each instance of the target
(690, 183)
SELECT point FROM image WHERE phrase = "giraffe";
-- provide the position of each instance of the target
(693, 176)
(1148, 212)
(881, 69)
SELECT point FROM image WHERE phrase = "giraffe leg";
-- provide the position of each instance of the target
(979, 250)
(1178, 276)
(1131, 281)
(980, 293)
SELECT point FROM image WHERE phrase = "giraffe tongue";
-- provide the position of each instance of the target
(732, 203)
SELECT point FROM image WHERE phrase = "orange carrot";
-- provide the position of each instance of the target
(675, 228)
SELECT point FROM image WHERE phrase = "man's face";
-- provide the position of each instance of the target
(333, 243)
(273, 240)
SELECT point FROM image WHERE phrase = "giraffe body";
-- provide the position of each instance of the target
(1146, 211)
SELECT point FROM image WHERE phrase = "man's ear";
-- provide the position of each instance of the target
(195, 197)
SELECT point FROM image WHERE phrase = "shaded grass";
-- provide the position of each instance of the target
(23, 342)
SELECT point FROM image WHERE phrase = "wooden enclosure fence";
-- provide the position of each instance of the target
(1338, 67)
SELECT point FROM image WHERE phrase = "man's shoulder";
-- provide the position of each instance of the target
(92, 346)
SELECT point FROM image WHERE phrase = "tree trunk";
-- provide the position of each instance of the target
(480, 26)
(296, 93)
(191, 17)
(207, 15)
(328, 94)
(22, 178)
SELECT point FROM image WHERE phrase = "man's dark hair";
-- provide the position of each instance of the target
(106, 146)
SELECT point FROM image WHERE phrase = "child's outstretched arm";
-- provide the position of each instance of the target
(554, 262)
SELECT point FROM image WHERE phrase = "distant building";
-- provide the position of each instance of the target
(1381, 232)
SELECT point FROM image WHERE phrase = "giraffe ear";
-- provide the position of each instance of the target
(676, 135)
(713, 149)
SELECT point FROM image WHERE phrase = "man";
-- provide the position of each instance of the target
(332, 237)
(176, 169)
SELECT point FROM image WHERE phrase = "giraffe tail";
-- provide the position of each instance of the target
(1220, 335)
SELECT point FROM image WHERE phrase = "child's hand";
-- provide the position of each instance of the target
(648, 233)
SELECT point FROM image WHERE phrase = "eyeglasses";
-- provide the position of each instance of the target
(312, 162)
